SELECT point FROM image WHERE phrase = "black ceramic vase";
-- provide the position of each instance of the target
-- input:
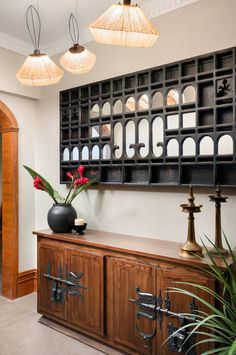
(61, 218)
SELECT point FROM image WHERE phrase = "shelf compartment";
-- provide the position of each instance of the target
(197, 174)
(189, 68)
(224, 60)
(136, 174)
(165, 174)
(206, 64)
(226, 174)
(224, 115)
(206, 94)
(112, 174)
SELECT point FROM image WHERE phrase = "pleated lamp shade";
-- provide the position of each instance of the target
(39, 70)
(124, 25)
(78, 60)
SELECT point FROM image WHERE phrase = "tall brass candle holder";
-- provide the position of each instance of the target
(190, 249)
(218, 199)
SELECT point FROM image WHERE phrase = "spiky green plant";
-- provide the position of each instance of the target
(216, 325)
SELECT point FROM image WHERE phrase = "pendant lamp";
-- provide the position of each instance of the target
(77, 60)
(38, 69)
(125, 25)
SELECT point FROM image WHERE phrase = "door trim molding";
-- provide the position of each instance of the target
(9, 130)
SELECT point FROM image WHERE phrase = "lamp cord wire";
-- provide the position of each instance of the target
(74, 29)
(32, 15)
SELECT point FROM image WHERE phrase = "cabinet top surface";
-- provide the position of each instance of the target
(147, 247)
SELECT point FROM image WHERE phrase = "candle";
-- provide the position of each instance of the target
(79, 222)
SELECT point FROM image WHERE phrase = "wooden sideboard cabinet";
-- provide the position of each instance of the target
(95, 284)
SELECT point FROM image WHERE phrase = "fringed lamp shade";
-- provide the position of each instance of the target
(124, 25)
(78, 60)
(39, 70)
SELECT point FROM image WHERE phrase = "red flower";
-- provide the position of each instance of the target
(38, 184)
(81, 181)
(81, 170)
(70, 175)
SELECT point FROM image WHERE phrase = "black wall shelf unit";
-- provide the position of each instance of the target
(170, 125)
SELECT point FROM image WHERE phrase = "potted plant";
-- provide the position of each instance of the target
(61, 215)
(217, 325)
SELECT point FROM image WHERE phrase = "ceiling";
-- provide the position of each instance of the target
(54, 16)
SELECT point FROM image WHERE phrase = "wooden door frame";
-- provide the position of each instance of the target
(9, 130)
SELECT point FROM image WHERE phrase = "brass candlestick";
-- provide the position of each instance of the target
(191, 247)
(218, 199)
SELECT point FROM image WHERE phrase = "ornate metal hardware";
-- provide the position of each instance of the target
(177, 342)
(151, 307)
(60, 285)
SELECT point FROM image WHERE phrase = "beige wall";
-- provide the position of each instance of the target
(203, 27)
(9, 64)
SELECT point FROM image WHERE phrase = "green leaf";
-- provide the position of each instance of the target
(49, 189)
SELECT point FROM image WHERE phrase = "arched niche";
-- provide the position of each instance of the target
(75, 154)
(206, 146)
(172, 148)
(143, 137)
(189, 147)
(94, 113)
(172, 97)
(106, 152)
(157, 136)
(85, 153)
(143, 103)
(9, 130)
(117, 107)
(189, 94)
(106, 109)
(118, 140)
(130, 104)
(130, 138)
(66, 154)
(95, 152)
(157, 100)
(225, 145)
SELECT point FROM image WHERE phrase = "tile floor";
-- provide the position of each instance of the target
(21, 334)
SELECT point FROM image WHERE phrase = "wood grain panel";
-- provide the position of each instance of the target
(27, 282)
(55, 256)
(181, 303)
(126, 277)
(87, 311)
(146, 247)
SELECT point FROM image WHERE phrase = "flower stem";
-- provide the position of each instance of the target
(67, 197)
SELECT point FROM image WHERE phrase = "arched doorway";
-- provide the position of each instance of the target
(9, 130)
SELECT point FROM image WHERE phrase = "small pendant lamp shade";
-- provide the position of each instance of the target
(38, 69)
(77, 60)
(125, 25)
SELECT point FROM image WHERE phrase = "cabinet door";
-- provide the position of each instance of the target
(180, 303)
(125, 276)
(51, 260)
(87, 311)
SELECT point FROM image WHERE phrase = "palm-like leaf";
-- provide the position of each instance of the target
(218, 323)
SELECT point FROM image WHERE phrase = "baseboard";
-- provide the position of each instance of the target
(26, 282)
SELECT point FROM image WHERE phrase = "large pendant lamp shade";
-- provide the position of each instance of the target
(125, 25)
(77, 60)
(38, 69)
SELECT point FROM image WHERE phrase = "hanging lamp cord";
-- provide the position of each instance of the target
(74, 29)
(32, 17)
